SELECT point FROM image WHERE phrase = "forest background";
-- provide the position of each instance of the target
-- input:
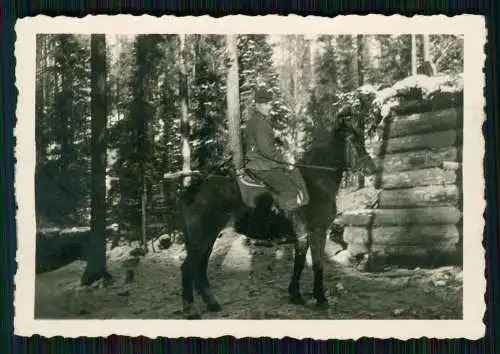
(166, 110)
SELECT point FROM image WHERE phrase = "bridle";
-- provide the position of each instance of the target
(355, 169)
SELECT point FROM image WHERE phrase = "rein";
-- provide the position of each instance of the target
(284, 163)
(318, 167)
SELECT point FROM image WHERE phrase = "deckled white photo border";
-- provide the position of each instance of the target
(473, 29)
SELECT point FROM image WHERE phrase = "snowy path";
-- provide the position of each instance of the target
(250, 283)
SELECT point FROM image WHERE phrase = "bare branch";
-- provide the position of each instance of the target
(178, 174)
(443, 54)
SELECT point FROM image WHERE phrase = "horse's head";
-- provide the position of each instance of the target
(354, 156)
(357, 158)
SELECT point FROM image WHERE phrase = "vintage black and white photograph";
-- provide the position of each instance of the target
(190, 174)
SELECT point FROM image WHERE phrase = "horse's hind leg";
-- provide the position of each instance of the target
(300, 251)
(193, 238)
(317, 243)
(203, 285)
(189, 275)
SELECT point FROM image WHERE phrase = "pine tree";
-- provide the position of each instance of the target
(134, 167)
(326, 89)
(62, 122)
(296, 79)
(346, 62)
(208, 104)
(233, 103)
(394, 58)
(446, 53)
(96, 250)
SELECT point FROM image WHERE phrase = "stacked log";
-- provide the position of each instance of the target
(419, 209)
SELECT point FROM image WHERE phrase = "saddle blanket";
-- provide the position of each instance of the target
(252, 188)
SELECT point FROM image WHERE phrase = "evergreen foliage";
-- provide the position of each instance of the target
(316, 81)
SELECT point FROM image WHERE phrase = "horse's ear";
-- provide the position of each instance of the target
(338, 121)
(351, 124)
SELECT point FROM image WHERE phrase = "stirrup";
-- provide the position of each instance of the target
(240, 172)
(300, 198)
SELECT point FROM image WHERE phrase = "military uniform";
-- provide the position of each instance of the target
(261, 152)
(263, 159)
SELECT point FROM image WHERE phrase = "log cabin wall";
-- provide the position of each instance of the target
(419, 211)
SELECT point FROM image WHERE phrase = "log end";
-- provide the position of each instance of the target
(417, 245)
(451, 165)
(355, 217)
(376, 258)
(441, 215)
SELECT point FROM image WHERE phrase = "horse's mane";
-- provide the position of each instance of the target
(318, 149)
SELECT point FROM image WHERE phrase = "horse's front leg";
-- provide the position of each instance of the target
(317, 244)
(300, 251)
(203, 284)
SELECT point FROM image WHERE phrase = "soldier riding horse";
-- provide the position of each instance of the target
(306, 196)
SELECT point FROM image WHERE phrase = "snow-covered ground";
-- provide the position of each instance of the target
(251, 283)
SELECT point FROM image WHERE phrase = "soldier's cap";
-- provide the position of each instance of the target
(263, 96)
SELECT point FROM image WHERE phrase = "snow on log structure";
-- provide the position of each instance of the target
(419, 210)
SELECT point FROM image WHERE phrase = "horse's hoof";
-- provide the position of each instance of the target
(191, 312)
(211, 301)
(297, 300)
(322, 303)
(193, 316)
(214, 307)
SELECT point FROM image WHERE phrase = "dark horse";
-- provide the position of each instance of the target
(210, 203)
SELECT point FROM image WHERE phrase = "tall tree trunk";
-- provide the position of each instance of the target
(66, 108)
(96, 250)
(233, 104)
(283, 62)
(312, 61)
(185, 126)
(144, 200)
(360, 59)
(46, 55)
(142, 115)
(413, 54)
(333, 84)
(426, 49)
(360, 74)
(427, 66)
(297, 44)
(40, 93)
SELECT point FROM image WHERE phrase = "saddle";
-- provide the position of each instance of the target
(252, 189)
